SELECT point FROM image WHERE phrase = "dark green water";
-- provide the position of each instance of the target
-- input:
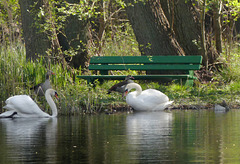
(155, 137)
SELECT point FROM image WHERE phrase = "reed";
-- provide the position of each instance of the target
(18, 75)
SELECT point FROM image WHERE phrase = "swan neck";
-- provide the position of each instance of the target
(51, 104)
(138, 89)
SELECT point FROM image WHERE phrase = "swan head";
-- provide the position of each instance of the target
(131, 86)
(52, 92)
(125, 92)
(56, 95)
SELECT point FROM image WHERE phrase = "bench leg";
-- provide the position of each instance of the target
(92, 81)
(189, 83)
(185, 82)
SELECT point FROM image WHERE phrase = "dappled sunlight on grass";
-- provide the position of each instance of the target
(17, 76)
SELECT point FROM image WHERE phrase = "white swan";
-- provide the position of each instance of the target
(24, 106)
(147, 100)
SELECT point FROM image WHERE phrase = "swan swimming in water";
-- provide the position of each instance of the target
(147, 100)
(24, 106)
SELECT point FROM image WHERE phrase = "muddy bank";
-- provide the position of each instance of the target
(127, 108)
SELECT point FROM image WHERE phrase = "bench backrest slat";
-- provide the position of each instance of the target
(146, 59)
(146, 67)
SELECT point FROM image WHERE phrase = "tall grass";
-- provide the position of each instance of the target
(17, 76)
(230, 71)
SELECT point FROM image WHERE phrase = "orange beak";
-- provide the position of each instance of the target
(126, 92)
(56, 95)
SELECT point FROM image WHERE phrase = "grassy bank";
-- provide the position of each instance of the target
(18, 76)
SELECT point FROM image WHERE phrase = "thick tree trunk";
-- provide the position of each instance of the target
(152, 29)
(186, 26)
(76, 33)
(35, 41)
(166, 27)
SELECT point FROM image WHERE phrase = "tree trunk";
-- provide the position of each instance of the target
(36, 42)
(203, 45)
(152, 29)
(217, 25)
(186, 26)
(76, 32)
(76, 35)
(166, 27)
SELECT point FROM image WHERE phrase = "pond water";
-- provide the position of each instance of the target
(154, 137)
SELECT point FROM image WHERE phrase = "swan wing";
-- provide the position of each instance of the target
(7, 114)
(24, 105)
(153, 96)
(162, 106)
(136, 102)
(148, 100)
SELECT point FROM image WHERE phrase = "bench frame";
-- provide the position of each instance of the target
(185, 64)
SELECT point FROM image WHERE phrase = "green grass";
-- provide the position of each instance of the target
(17, 76)
(76, 97)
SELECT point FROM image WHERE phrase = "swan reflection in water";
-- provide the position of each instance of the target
(29, 139)
(148, 135)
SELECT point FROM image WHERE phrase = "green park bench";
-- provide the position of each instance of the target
(168, 65)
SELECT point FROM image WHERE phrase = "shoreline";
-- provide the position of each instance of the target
(127, 108)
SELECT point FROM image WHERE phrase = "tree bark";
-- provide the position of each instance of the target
(186, 26)
(166, 27)
(76, 35)
(152, 29)
(36, 42)
(217, 25)
(203, 44)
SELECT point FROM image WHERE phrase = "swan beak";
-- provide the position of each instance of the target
(56, 95)
(125, 93)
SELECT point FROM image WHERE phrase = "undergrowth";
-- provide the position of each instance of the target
(17, 76)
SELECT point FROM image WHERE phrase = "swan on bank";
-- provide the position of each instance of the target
(147, 100)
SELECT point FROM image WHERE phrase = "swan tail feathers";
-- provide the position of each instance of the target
(163, 106)
(8, 114)
(168, 104)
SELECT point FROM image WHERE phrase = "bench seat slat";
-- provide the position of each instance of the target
(185, 64)
(145, 67)
(145, 59)
(136, 77)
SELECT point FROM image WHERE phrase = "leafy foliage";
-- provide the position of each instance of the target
(9, 21)
(17, 74)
